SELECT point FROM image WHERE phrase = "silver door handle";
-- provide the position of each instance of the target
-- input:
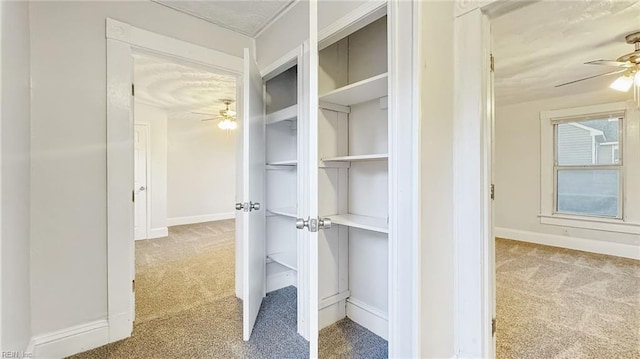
(313, 224)
(254, 206)
(301, 223)
(324, 223)
(142, 188)
(239, 206)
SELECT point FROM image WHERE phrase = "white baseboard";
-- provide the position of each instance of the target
(281, 280)
(369, 317)
(70, 341)
(158, 232)
(581, 244)
(177, 221)
(331, 313)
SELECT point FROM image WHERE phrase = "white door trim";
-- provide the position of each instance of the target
(473, 287)
(122, 40)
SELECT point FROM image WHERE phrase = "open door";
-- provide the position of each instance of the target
(310, 223)
(253, 217)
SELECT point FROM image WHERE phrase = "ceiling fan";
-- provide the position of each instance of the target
(227, 117)
(628, 67)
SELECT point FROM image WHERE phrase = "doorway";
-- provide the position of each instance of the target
(123, 41)
(474, 128)
(184, 185)
(563, 283)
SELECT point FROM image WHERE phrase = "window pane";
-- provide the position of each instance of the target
(590, 192)
(585, 143)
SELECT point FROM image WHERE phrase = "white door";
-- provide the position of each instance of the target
(140, 138)
(308, 164)
(253, 217)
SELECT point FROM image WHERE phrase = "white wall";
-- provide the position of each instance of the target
(278, 39)
(15, 310)
(436, 136)
(517, 171)
(69, 203)
(201, 171)
(156, 119)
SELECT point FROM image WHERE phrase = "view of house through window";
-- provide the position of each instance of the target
(588, 166)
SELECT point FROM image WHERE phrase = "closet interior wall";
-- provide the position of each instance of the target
(353, 179)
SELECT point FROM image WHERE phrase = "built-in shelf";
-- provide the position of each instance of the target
(286, 114)
(287, 259)
(357, 158)
(359, 92)
(283, 163)
(287, 212)
(363, 222)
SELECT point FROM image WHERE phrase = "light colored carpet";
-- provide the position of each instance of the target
(186, 307)
(559, 303)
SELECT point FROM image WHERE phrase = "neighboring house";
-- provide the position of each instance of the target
(588, 142)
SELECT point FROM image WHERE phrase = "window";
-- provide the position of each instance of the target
(588, 166)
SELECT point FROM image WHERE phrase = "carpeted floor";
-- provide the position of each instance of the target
(186, 307)
(559, 303)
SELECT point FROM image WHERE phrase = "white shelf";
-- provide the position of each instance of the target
(283, 163)
(357, 158)
(287, 259)
(286, 114)
(363, 222)
(359, 92)
(287, 212)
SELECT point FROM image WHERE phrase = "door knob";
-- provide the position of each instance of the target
(254, 206)
(313, 224)
(301, 223)
(239, 206)
(142, 188)
(324, 223)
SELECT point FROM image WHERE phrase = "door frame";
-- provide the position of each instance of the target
(474, 270)
(147, 159)
(122, 41)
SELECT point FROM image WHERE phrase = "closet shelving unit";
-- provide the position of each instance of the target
(281, 175)
(353, 178)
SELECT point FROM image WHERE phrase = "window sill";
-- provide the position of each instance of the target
(598, 224)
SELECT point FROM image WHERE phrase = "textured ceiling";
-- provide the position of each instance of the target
(246, 17)
(547, 43)
(180, 89)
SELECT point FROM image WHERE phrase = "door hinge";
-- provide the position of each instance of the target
(493, 327)
(133, 90)
(492, 63)
(133, 285)
(493, 191)
(133, 196)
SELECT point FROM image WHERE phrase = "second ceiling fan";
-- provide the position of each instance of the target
(628, 66)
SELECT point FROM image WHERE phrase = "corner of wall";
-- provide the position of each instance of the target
(15, 168)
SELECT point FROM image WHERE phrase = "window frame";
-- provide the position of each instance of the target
(630, 200)
(555, 122)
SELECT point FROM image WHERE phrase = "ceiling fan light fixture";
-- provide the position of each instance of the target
(227, 124)
(637, 79)
(622, 83)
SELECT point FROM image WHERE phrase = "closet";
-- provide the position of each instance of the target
(281, 179)
(335, 129)
(353, 179)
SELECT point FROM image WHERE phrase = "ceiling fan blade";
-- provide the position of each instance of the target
(593, 77)
(208, 119)
(201, 113)
(610, 63)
